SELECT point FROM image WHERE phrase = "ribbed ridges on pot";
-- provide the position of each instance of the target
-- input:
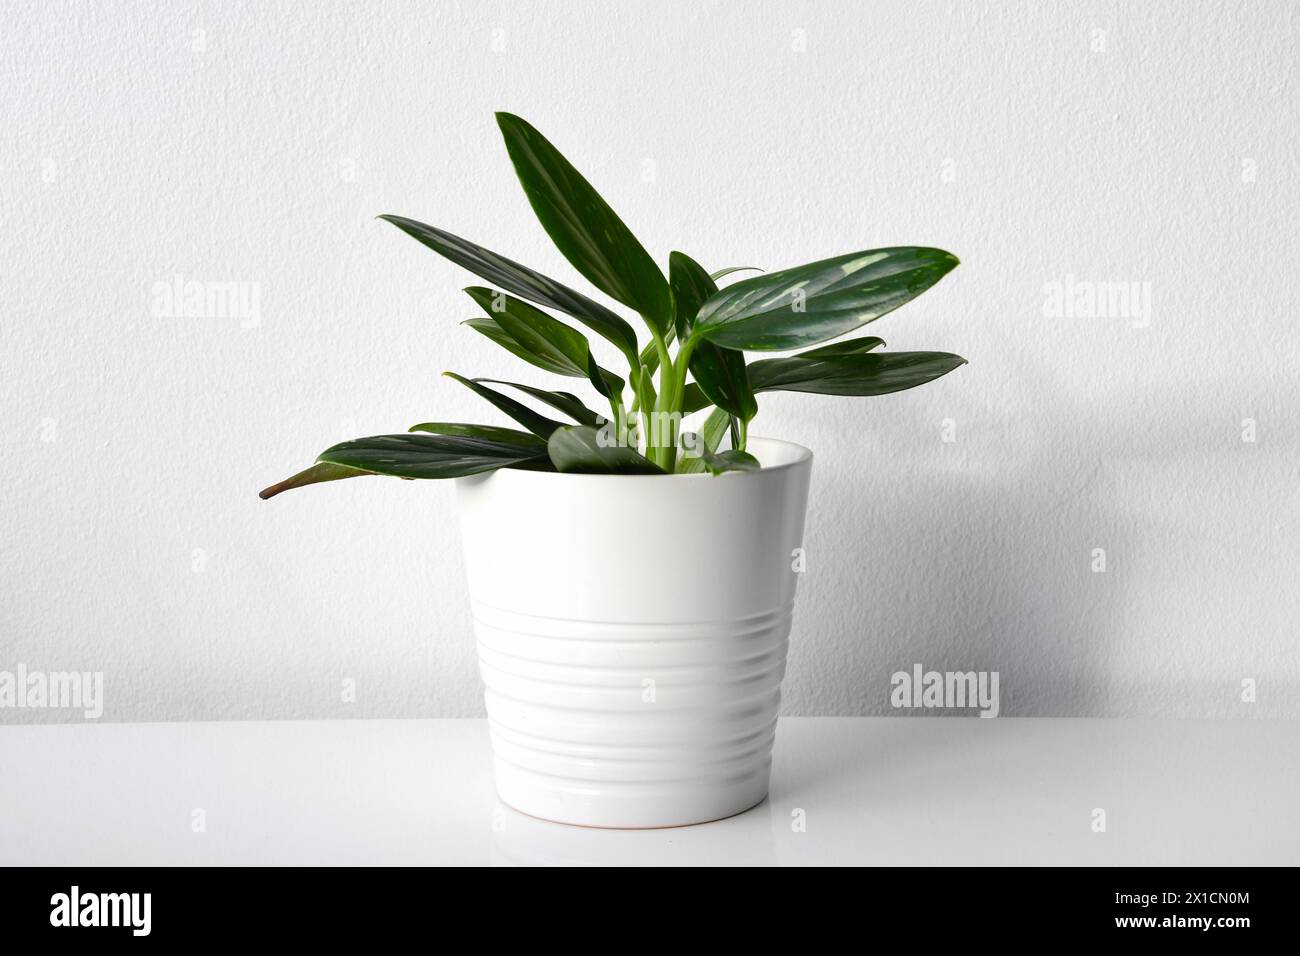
(632, 710)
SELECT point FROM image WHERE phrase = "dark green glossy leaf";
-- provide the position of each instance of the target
(580, 448)
(522, 281)
(539, 339)
(613, 384)
(539, 425)
(418, 455)
(715, 276)
(847, 347)
(492, 330)
(583, 226)
(691, 287)
(815, 302)
(720, 374)
(494, 433)
(550, 343)
(849, 374)
(565, 402)
(878, 373)
(317, 473)
(694, 399)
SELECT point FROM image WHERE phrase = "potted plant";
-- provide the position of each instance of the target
(633, 581)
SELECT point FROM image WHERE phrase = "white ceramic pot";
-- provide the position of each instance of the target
(632, 635)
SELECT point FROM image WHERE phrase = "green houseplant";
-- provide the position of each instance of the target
(694, 360)
(633, 680)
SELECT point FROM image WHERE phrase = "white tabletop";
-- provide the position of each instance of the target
(872, 791)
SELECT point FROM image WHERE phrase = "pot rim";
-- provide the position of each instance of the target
(802, 457)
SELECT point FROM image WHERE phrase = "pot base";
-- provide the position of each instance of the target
(628, 807)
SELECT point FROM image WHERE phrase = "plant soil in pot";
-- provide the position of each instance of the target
(633, 578)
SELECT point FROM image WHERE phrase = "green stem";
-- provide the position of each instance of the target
(665, 446)
(674, 391)
(646, 420)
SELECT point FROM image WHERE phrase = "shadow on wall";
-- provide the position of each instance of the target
(1101, 566)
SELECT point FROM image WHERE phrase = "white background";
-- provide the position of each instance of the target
(1151, 143)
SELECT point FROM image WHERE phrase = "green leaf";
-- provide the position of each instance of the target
(565, 402)
(494, 331)
(719, 372)
(539, 339)
(731, 460)
(489, 432)
(691, 287)
(583, 226)
(707, 437)
(848, 374)
(579, 448)
(715, 276)
(815, 302)
(847, 347)
(694, 399)
(613, 384)
(878, 373)
(648, 393)
(721, 376)
(522, 281)
(315, 474)
(687, 461)
(543, 339)
(714, 427)
(539, 425)
(420, 455)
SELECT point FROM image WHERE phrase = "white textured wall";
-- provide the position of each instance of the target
(1151, 143)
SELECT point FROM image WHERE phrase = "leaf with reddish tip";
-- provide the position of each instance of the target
(321, 471)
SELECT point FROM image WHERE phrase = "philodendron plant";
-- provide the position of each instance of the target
(699, 334)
